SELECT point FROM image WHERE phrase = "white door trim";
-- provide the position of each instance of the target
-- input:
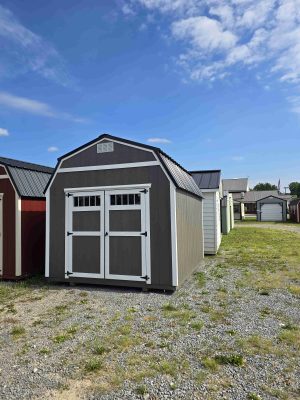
(174, 235)
(4, 177)
(47, 253)
(110, 166)
(69, 209)
(145, 240)
(18, 205)
(115, 187)
(1, 233)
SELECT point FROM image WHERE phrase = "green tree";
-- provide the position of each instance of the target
(265, 186)
(295, 188)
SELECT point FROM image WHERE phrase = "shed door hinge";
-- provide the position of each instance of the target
(146, 277)
(144, 191)
(69, 194)
(69, 233)
(69, 273)
(144, 233)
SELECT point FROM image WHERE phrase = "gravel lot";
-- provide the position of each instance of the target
(224, 335)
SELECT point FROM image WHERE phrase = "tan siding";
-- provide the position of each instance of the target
(189, 234)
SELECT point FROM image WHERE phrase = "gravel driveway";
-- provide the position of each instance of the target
(217, 337)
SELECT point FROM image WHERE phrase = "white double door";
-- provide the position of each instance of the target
(107, 234)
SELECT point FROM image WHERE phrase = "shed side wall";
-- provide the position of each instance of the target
(218, 221)
(189, 234)
(209, 223)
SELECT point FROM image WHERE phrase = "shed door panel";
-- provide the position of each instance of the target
(85, 234)
(271, 212)
(127, 235)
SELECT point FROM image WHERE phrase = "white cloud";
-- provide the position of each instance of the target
(158, 140)
(217, 36)
(52, 149)
(203, 33)
(35, 107)
(22, 50)
(4, 132)
(237, 158)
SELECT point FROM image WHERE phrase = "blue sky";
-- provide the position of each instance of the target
(215, 84)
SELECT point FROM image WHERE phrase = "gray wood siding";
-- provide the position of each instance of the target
(121, 154)
(189, 234)
(160, 223)
(209, 223)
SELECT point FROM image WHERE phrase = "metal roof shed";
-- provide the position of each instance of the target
(122, 213)
(22, 217)
(272, 208)
(209, 182)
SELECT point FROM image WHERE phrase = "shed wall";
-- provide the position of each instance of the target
(209, 222)
(33, 216)
(189, 234)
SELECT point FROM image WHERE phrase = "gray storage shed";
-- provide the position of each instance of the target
(122, 213)
(272, 208)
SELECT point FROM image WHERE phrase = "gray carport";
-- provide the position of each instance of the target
(122, 213)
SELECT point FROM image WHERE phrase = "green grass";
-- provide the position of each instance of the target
(17, 331)
(267, 258)
(230, 359)
(94, 364)
(200, 279)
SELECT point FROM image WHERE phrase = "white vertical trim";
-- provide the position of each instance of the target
(148, 238)
(18, 238)
(174, 235)
(1, 233)
(47, 252)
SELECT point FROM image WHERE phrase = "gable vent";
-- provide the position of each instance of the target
(105, 147)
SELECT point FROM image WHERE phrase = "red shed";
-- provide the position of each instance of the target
(22, 218)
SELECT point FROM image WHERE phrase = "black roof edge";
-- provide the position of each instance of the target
(8, 164)
(276, 197)
(205, 170)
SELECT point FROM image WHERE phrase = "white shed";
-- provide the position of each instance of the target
(210, 184)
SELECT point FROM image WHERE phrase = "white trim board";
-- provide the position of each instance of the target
(18, 266)
(4, 177)
(110, 166)
(116, 187)
(174, 235)
(47, 252)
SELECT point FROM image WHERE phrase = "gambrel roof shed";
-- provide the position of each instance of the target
(121, 212)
